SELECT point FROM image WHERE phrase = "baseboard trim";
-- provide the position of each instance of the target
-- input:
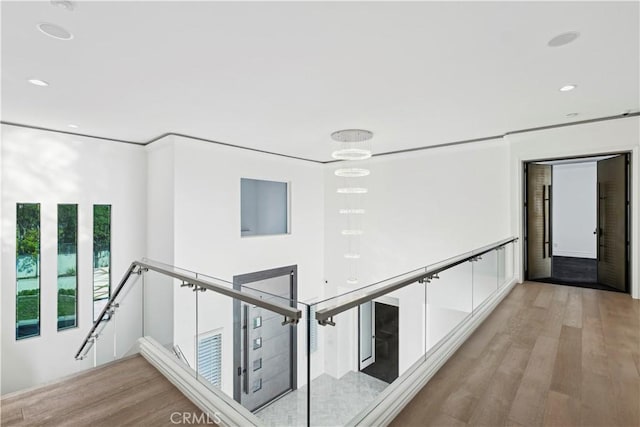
(221, 409)
(394, 398)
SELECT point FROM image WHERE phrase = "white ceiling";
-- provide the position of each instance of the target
(282, 76)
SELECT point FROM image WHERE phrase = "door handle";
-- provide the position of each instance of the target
(546, 226)
(245, 371)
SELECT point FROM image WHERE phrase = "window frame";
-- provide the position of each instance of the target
(38, 271)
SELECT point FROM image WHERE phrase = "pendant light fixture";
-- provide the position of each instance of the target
(354, 147)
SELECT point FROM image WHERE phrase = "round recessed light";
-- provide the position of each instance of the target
(64, 4)
(352, 281)
(38, 82)
(73, 126)
(567, 88)
(563, 39)
(352, 256)
(352, 135)
(572, 114)
(55, 31)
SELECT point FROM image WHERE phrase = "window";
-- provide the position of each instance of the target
(210, 358)
(67, 266)
(101, 257)
(257, 343)
(27, 270)
(257, 322)
(257, 364)
(264, 207)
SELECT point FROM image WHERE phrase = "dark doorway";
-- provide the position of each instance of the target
(385, 362)
(576, 221)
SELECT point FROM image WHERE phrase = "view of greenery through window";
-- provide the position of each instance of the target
(27, 270)
(28, 265)
(101, 257)
(67, 265)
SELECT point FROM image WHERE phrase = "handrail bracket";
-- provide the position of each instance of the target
(325, 322)
(289, 320)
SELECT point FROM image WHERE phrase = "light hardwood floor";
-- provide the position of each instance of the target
(129, 392)
(548, 355)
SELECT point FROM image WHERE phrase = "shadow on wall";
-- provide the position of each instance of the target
(47, 169)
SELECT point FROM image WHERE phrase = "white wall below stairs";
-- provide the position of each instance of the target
(51, 168)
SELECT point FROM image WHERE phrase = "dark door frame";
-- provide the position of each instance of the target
(238, 282)
(389, 303)
(525, 211)
(523, 204)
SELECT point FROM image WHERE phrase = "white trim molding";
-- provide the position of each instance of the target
(220, 409)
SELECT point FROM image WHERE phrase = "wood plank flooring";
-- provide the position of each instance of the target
(129, 392)
(548, 355)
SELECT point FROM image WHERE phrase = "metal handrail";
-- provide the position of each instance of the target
(324, 315)
(291, 314)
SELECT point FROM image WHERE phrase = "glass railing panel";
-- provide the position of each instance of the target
(501, 260)
(507, 252)
(103, 343)
(174, 328)
(449, 302)
(367, 349)
(485, 277)
(126, 317)
(115, 335)
(350, 292)
(358, 290)
(293, 407)
(169, 269)
(252, 355)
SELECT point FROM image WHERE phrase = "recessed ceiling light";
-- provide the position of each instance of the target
(572, 114)
(55, 31)
(563, 39)
(64, 4)
(73, 126)
(352, 135)
(38, 82)
(567, 88)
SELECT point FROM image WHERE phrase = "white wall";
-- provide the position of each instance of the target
(207, 235)
(160, 239)
(574, 209)
(422, 207)
(605, 137)
(51, 168)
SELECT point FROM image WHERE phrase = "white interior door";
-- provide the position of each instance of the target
(367, 338)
